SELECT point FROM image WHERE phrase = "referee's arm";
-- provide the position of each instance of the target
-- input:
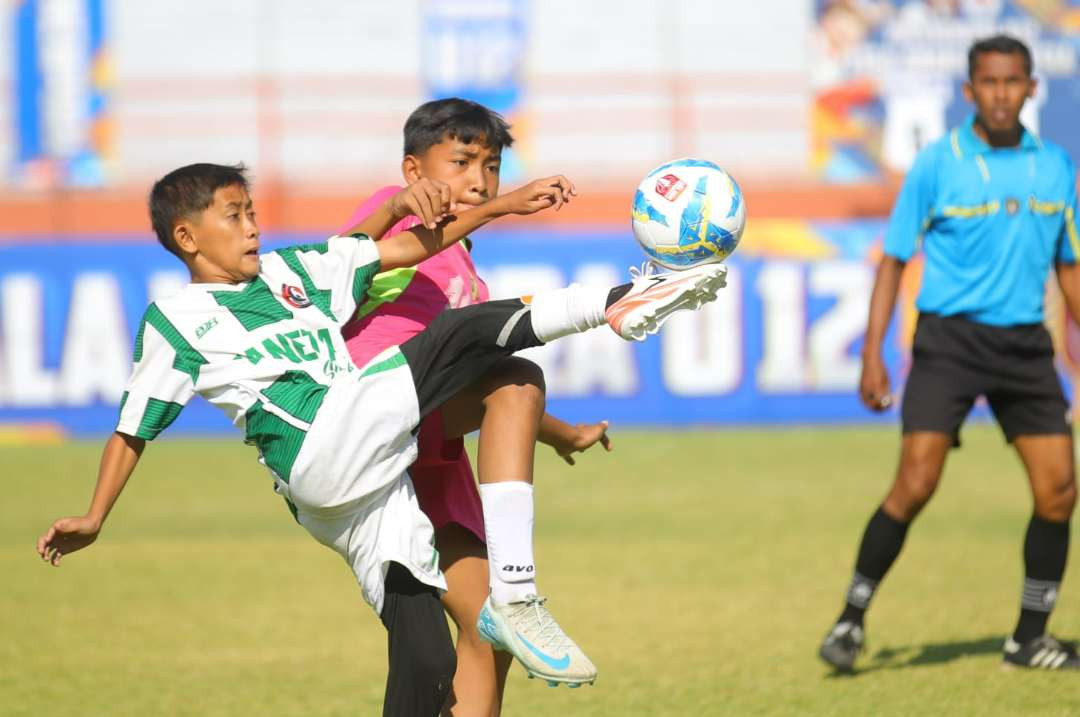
(1068, 254)
(910, 218)
(1069, 278)
(875, 390)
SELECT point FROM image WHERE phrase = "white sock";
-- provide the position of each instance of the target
(508, 525)
(568, 311)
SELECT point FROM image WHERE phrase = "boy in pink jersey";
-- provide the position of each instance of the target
(459, 143)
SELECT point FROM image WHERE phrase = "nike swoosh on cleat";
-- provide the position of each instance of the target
(487, 625)
(556, 664)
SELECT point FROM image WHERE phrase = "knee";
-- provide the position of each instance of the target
(522, 372)
(518, 384)
(1058, 499)
(916, 482)
(921, 486)
(530, 396)
(520, 398)
(916, 491)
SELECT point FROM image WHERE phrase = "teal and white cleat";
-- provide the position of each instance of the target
(528, 632)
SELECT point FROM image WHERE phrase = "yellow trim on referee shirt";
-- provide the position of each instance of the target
(954, 137)
(1070, 229)
(1045, 207)
(979, 210)
(922, 229)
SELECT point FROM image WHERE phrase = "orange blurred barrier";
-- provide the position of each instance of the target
(283, 207)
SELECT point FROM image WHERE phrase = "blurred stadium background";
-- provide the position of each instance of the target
(816, 107)
(742, 535)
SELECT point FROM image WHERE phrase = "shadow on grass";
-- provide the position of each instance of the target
(935, 653)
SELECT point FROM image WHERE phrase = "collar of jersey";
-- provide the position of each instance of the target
(971, 144)
(204, 286)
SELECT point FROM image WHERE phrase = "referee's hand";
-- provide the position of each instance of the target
(874, 389)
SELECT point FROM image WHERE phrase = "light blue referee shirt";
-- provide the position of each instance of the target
(991, 222)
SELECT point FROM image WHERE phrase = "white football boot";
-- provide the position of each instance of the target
(654, 297)
(528, 632)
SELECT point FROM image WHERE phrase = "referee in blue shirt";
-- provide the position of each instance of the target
(993, 208)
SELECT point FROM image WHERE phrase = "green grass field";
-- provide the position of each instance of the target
(698, 570)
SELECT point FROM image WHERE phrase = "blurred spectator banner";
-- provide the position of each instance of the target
(476, 49)
(59, 92)
(781, 345)
(314, 94)
(887, 76)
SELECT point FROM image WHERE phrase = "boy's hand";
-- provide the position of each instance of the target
(585, 436)
(538, 195)
(66, 536)
(428, 199)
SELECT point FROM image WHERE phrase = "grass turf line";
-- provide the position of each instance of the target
(698, 569)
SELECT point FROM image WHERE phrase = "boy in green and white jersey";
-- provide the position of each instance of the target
(260, 337)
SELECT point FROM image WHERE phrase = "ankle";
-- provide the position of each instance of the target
(852, 614)
(504, 593)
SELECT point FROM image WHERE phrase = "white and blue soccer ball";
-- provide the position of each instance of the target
(688, 212)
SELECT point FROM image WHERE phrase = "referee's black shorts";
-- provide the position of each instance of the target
(956, 360)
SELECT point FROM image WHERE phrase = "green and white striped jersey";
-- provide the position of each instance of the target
(265, 351)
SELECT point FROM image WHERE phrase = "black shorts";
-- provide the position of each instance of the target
(460, 345)
(956, 360)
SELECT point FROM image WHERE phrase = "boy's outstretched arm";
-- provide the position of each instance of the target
(67, 535)
(567, 439)
(412, 247)
(426, 199)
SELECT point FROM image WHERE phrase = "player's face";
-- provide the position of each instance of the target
(471, 170)
(998, 87)
(223, 239)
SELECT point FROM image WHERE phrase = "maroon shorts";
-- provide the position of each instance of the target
(443, 479)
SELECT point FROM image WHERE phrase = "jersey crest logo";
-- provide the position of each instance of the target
(670, 187)
(294, 296)
(1012, 205)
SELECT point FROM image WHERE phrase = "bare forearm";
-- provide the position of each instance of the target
(882, 303)
(555, 432)
(568, 439)
(376, 224)
(1069, 280)
(412, 247)
(118, 460)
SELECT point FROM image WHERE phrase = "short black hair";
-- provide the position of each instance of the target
(186, 191)
(1005, 44)
(459, 119)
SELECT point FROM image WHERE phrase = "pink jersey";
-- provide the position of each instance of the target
(402, 302)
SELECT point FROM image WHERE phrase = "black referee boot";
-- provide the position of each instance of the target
(842, 645)
(1042, 653)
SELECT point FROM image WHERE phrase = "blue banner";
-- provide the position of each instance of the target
(61, 77)
(475, 49)
(781, 345)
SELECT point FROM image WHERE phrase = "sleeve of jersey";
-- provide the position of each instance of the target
(350, 264)
(1069, 242)
(162, 381)
(913, 211)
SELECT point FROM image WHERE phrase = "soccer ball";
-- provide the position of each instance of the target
(688, 212)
